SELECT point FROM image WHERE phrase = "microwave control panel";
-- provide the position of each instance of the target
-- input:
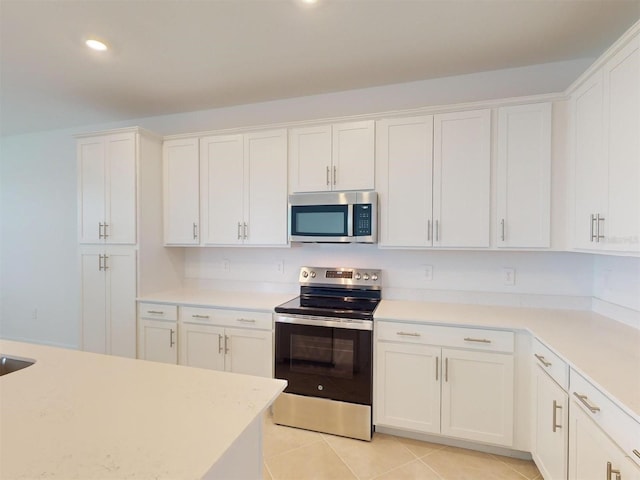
(362, 219)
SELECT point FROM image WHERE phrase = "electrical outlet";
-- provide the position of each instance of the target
(280, 266)
(226, 265)
(509, 276)
(428, 272)
(34, 314)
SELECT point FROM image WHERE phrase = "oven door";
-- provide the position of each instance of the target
(329, 358)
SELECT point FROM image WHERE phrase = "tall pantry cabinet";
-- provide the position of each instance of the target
(119, 230)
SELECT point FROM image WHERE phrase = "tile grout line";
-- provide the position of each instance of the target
(339, 457)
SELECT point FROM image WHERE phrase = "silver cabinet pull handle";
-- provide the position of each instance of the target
(156, 312)
(437, 236)
(610, 470)
(446, 369)
(200, 316)
(437, 368)
(592, 230)
(335, 174)
(542, 360)
(555, 420)
(171, 342)
(239, 227)
(226, 344)
(106, 234)
(408, 334)
(99, 263)
(100, 226)
(598, 220)
(328, 173)
(245, 320)
(195, 231)
(583, 400)
(244, 230)
(219, 343)
(104, 265)
(477, 340)
(636, 453)
(502, 229)
(429, 230)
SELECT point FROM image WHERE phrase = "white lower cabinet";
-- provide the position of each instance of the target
(234, 350)
(462, 393)
(108, 294)
(592, 454)
(235, 341)
(549, 446)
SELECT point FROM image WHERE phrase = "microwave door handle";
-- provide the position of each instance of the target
(350, 220)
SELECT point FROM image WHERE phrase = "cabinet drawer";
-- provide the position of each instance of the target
(227, 318)
(551, 363)
(158, 311)
(622, 428)
(458, 337)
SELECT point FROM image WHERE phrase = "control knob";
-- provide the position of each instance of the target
(358, 276)
(305, 274)
(366, 276)
(374, 277)
(313, 274)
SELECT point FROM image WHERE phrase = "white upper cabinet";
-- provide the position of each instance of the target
(107, 188)
(404, 166)
(524, 176)
(606, 150)
(462, 179)
(332, 157)
(433, 180)
(622, 134)
(181, 173)
(243, 184)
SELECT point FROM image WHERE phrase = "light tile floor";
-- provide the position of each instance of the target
(291, 453)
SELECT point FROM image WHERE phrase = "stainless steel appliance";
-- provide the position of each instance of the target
(324, 349)
(333, 217)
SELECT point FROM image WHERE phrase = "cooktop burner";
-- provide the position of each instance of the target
(335, 292)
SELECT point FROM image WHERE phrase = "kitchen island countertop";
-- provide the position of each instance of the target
(83, 415)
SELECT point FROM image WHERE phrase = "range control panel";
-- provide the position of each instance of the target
(340, 276)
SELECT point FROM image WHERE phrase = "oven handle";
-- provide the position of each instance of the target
(348, 323)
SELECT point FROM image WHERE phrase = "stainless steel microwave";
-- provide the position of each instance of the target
(333, 217)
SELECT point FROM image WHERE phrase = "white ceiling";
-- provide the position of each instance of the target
(170, 56)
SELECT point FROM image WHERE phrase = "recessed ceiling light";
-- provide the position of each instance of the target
(308, 2)
(96, 45)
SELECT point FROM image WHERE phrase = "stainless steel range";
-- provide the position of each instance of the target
(324, 349)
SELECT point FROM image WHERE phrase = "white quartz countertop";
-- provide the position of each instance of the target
(82, 415)
(219, 299)
(601, 349)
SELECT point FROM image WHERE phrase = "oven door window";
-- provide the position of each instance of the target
(325, 362)
(320, 220)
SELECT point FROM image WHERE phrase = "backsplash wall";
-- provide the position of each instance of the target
(542, 279)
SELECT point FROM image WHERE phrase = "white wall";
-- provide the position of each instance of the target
(616, 288)
(38, 250)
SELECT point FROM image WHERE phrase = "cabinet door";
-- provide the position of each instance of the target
(408, 386)
(524, 176)
(310, 167)
(93, 300)
(249, 352)
(462, 179)
(404, 175)
(589, 165)
(353, 156)
(120, 200)
(120, 268)
(591, 451)
(181, 177)
(265, 188)
(622, 124)
(551, 422)
(477, 396)
(202, 346)
(221, 177)
(157, 341)
(91, 189)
